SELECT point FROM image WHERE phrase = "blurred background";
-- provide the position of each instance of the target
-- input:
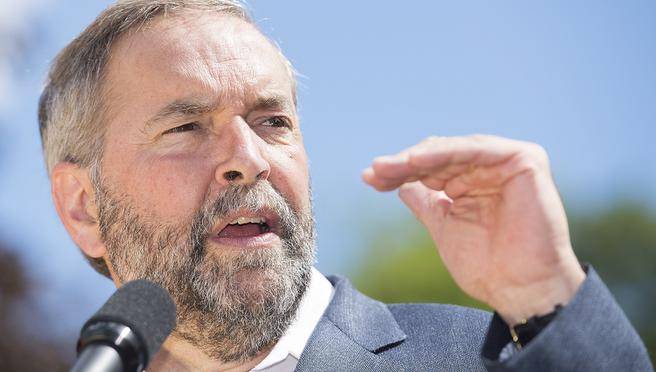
(577, 77)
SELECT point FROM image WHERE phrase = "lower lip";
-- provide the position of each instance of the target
(265, 240)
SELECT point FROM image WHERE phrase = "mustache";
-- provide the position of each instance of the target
(252, 198)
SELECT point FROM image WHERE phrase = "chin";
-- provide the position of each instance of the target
(240, 279)
(253, 280)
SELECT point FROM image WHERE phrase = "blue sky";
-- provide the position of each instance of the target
(577, 77)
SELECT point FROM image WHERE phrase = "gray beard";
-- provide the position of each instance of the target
(230, 305)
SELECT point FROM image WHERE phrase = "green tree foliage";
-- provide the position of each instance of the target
(620, 243)
(401, 264)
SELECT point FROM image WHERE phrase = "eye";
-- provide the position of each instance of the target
(182, 128)
(277, 122)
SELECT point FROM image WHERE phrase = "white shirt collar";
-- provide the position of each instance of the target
(312, 306)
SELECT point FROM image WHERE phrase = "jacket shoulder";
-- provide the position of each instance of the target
(440, 336)
(409, 312)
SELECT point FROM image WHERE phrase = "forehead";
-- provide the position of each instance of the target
(210, 55)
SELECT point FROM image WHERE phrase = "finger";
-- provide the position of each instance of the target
(393, 166)
(472, 150)
(429, 206)
(399, 168)
(381, 184)
(434, 183)
(388, 172)
(443, 156)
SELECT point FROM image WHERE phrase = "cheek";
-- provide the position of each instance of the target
(289, 173)
(170, 188)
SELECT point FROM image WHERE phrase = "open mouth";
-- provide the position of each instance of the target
(243, 227)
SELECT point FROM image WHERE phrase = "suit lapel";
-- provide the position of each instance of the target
(350, 333)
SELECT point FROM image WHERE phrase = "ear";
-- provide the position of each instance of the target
(73, 195)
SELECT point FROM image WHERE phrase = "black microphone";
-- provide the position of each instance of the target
(127, 330)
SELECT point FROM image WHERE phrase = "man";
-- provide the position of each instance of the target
(175, 154)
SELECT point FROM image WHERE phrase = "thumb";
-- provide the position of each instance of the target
(428, 205)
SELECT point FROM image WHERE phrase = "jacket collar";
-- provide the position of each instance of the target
(350, 333)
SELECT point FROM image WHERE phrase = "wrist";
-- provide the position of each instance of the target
(538, 298)
(524, 332)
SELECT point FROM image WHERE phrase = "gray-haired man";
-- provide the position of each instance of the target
(175, 154)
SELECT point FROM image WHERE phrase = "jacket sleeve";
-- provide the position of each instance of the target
(591, 333)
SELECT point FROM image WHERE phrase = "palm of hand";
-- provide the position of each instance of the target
(494, 213)
(496, 236)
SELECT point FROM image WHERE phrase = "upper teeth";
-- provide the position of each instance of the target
(245, 220)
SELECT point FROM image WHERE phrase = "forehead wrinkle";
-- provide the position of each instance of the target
(194, 72)
(222, 68)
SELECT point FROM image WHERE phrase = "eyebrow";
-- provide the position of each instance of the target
(193, 107)
(271, 103)
(181, 108)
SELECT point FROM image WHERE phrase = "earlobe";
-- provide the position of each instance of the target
(72, 194)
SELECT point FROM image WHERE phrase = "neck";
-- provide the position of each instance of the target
(179, 355)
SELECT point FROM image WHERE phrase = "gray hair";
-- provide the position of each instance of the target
(71, 109)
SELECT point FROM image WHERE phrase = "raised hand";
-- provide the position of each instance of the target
(494, 213)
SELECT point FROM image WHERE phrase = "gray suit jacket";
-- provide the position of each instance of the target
(357, 333)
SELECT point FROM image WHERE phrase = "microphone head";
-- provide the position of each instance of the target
(144, 307)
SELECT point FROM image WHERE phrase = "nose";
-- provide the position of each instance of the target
(244, 163)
